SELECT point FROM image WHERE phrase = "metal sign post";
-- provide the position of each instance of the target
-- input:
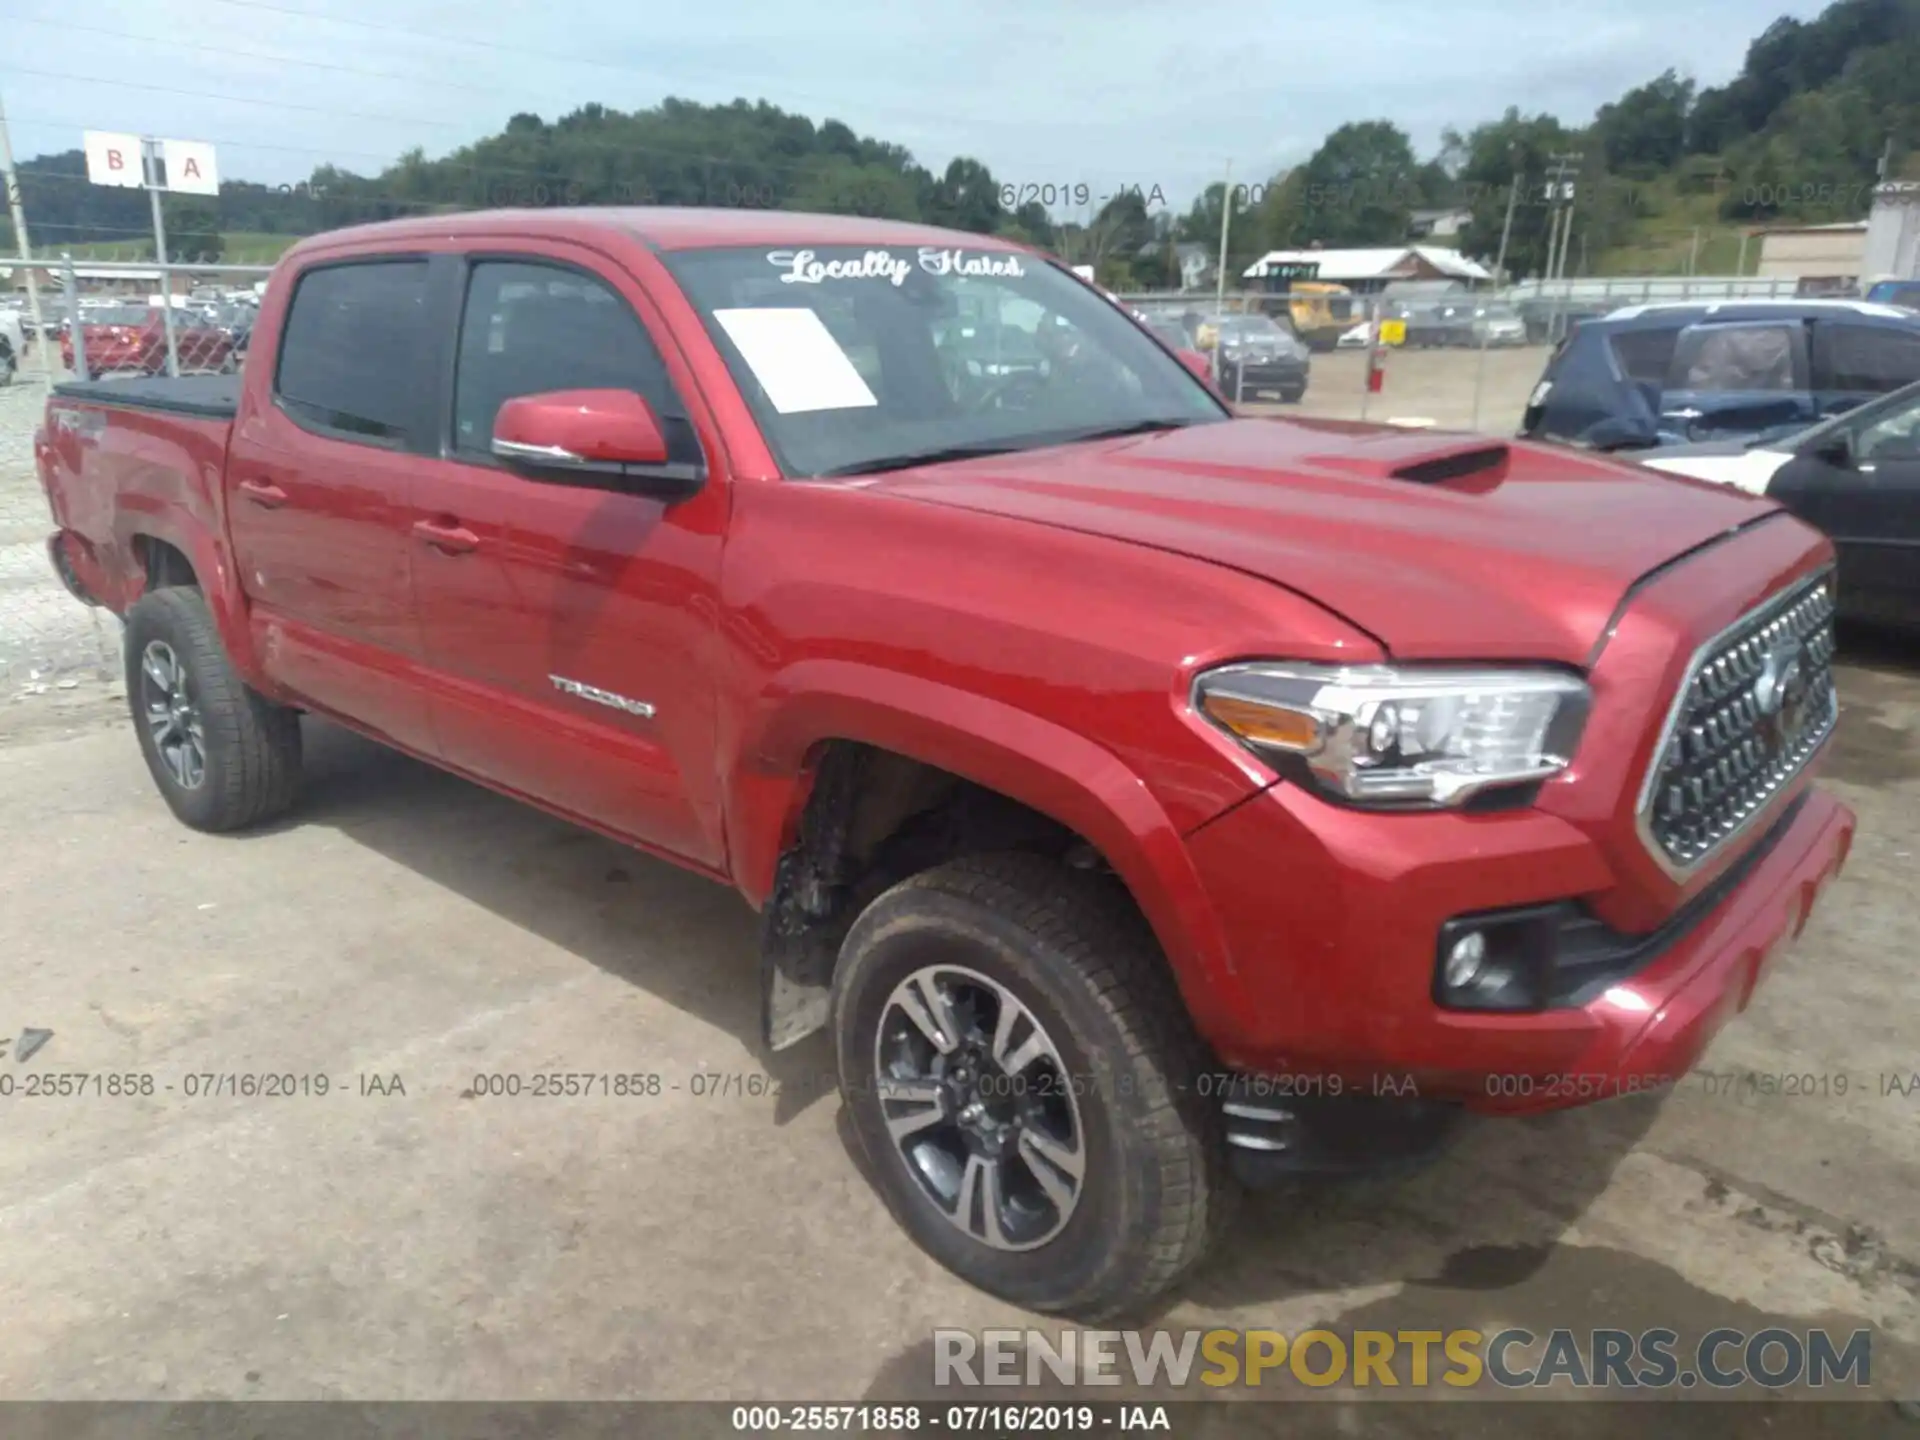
(18, 211)
(152, 158)
(190, 169)
(77, 330)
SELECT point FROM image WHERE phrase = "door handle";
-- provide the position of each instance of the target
(272, 497)
(450, 536)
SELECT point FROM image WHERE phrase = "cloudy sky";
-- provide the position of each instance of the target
(1133, 93)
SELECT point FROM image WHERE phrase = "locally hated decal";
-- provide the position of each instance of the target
(804, 267)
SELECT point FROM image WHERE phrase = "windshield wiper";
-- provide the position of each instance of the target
(979, 448)
(1131, 427)
(935, 456)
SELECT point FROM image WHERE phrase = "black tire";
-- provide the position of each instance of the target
(1071, 947)
(249, 769)
(7, 363)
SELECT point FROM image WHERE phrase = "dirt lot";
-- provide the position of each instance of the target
(405, 932)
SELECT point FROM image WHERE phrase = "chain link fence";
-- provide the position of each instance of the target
(97, 321)
(1415, 354)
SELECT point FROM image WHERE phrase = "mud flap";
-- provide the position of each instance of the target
(797, 955)
(807, 915)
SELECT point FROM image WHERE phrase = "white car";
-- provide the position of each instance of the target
(1726, 462)
(13, 345)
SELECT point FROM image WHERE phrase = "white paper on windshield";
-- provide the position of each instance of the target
(796, 360)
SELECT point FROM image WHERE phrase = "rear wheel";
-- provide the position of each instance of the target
(223, 756)
(1017, 1064)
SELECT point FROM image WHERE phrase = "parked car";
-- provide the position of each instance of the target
(13, 345)
(236, 323)
(1857, 477)
(1551, 318)
(1904, 293)
(1667, 374)
(1147, 800)
(1260, 359)
(122, 338)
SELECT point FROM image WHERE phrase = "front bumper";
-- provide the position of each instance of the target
(1263, 379)
(1334, 946)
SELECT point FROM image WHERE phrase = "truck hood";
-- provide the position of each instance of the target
(1439, 545)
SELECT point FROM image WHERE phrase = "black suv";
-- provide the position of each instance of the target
(1670, 374)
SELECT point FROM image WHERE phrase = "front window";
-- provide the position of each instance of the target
(1891, 435)
(859, 359)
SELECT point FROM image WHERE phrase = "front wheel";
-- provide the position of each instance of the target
(1018, 1067)
(223, 756)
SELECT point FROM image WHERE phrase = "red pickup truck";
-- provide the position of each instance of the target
(1148, 799)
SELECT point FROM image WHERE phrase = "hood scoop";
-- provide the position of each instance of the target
(1423, 462)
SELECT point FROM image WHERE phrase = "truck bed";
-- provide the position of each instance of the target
(209, 397)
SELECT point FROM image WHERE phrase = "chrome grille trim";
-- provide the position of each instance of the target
(1729, 745)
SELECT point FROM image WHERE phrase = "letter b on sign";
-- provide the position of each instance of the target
(113, 159)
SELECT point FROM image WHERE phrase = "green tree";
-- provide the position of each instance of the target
(1361, 186)
(1513, 151)
(1644, 132)
(193, 230)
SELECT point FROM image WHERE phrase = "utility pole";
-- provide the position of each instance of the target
(1226, 223)
(19, 215)
(1506, 229)
(1560, 190)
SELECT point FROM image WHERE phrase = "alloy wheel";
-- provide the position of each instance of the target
(981, 1108)
(173, 719)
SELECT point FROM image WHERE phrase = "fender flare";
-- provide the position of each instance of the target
(212, 560)
(1056, 771)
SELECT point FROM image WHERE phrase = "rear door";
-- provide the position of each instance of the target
(318, 484)
(1733, 378)
(1854, 363)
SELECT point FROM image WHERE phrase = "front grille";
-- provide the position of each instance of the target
(1752, 710)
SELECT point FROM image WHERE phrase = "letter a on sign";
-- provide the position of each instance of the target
(114, 159)
(190, 167)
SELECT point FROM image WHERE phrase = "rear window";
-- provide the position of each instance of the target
(1865, 357)
(354, 348)
(1644, 354)
(121, 315)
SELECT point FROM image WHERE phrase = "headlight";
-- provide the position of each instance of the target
(1414, 736)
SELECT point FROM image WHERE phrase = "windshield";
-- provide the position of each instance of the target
(121, 315)
(1497, 312)
(856, 359)
(1243, 328)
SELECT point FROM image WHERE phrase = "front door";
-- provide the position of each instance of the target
(569, 629)
(1870, 505)
(1737, 378)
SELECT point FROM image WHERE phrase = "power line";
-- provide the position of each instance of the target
(518, 52)
(231, 99)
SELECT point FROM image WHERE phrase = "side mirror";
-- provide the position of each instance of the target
(1609, 435)
(1198, 363)
(1835, 450)
(609, 437)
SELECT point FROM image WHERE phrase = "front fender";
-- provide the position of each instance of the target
(1013, 752)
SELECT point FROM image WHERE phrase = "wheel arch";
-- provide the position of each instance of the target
(851, 751)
